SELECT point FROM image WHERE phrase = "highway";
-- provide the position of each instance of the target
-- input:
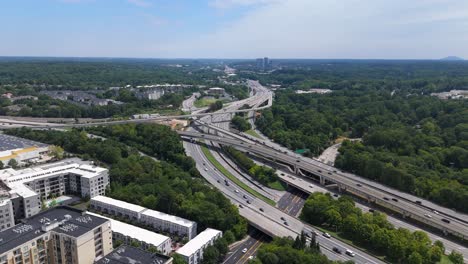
(345, 182)
(260, 214)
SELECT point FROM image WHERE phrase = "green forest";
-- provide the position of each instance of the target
(417, 144)
(162, 185)
(371, 230)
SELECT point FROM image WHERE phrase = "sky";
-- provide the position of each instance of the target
(320, 29)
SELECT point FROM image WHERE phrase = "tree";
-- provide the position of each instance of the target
(440, 244)
(56, 152)
(415, 258)
(210, 255)
(435, 254)
(178, 259)
(13, 163)
(270, 258)
(456, 257)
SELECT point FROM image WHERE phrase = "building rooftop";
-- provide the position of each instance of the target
(118, 203)
(131, 255)
(169, 218)
(193, 245)
(62, 219)
(8, 142)
(135, 232)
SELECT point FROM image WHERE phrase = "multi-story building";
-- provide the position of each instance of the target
(27, 188)
(130, 234)
(7, 219)
(23, 151)
(156, 220)
(193, 250)
(131, 255)
(59, 235)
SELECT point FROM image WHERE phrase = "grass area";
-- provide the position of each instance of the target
(445, 260)
(349, 242)
(277, 185)
(253, 133)
(202, 102)
(231, 177)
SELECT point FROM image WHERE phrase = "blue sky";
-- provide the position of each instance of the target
(388, 29)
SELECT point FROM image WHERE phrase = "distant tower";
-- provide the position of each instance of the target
(259, 63)
(265, 63)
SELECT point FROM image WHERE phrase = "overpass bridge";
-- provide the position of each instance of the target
(327, 174)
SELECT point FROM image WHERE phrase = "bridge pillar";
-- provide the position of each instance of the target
(322, 180)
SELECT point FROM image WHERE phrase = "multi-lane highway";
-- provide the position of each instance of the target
(260, 214)
(350, 183)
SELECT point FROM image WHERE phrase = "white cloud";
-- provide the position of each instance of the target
(338, 29)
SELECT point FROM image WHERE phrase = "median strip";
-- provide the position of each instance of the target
(233, 178)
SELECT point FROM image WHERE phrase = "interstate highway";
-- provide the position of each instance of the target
(456, 226)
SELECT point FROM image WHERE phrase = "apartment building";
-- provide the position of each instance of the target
(131, 255)
(26, 188)
(59, 235)
(193, 250)
(130, 234)
(156, 220)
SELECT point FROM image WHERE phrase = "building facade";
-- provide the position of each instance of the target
(193, 250)
(156, 220)
(61, 235)
(132, 255)
(26, 188)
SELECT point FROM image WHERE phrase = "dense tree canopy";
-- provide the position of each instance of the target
(163, 186)
(371, 230)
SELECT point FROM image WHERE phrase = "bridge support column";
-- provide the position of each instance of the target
(322, 180)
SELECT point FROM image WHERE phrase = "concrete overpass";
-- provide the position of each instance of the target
(407, 208)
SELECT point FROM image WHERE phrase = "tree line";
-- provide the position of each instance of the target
(371, 230)
(160, 185)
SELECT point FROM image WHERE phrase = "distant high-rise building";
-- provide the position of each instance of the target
(263, 63)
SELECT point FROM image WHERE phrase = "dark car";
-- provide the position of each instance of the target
(282, 218)
(245, 196)
(336, 195)
(385, 198)
(261, 210)
(394, 199)
(218, 181)
(358, 185)
(286, 223)
(418, 202)
(446, 220)
(337, 250)
(320, 171)
(248, 201)
(241, 206)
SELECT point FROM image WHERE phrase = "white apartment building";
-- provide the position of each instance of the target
(193, 250)
(58, 235)
(157, 220)
(27, 188)
(146, 239)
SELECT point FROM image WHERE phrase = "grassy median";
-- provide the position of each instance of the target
(253, 133)
(233, 178)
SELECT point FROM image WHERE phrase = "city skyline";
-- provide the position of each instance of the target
(430, 29)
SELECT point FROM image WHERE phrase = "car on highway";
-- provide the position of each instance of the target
(227, 183)
(350, 253)
(435, 212)
(358, 185)
(250, 257)
(248, 201)
(286, 223)
(237, 191)
(245, 196)
(428, 215)
(395, 199)
(282, 218)
(244, 250)
(326, 235)
(206, 169)
(311, 186)
(337, 250)
(241, 206)
(329, 173)
(446, 220)
(218, 181)
(261, 209)
(418, 202)
(320, 171)
(386, 199)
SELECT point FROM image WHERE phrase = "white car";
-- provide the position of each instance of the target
(206, 169)
(251, 257)
(244, 250)
(350, 253)
(326, 235)
(435, 212)
(428, 215)
(237, 191)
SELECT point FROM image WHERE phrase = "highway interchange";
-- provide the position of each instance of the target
(270, 218)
